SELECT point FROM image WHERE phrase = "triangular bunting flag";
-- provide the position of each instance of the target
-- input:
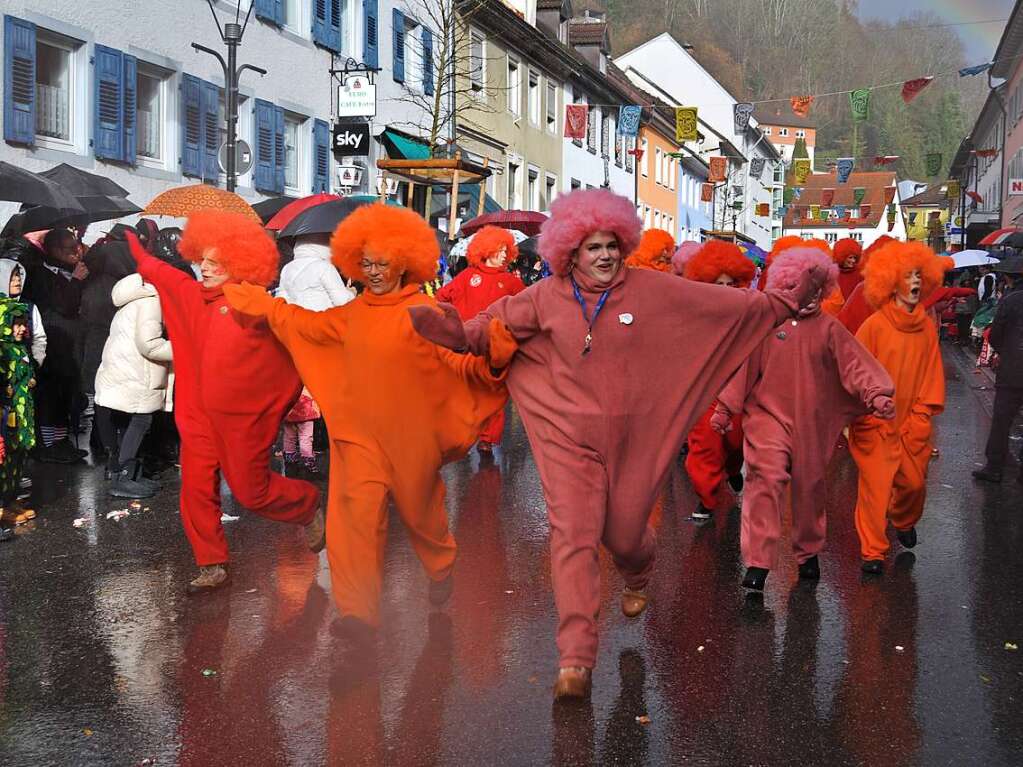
(911, 88)
(971, 71)
(801, 105)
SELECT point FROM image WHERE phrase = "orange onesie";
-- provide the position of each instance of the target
(397, 408)
(893, 455)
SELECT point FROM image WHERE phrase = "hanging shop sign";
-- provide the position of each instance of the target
(351, 139)
(357, 97)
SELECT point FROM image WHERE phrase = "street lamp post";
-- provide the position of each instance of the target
(231, 34)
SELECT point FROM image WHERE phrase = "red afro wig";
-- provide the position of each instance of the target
(487, 241)
(685, 251)
(845, 248)
(718, 257)
(888, 265)
(243, 247)
(577, 215)
(651, 247)
(791, 263)
(385, 231)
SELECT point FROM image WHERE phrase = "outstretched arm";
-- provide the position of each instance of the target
(861, 374)
(290, 323)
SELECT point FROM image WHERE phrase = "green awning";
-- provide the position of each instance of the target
(403, 148)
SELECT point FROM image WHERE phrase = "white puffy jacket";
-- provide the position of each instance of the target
(133, 375)
(311, 281)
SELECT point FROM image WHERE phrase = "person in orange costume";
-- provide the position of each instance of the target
(396, 406)
(656, 247)
(893, 456)
(233, 386)
(476, 287)
(715, 457)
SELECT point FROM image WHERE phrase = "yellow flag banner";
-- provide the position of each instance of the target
(801, 169)
(686, 124)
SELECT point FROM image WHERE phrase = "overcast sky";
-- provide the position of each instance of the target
(980, 39)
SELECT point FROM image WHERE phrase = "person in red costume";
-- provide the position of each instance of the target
(594, 340)
(656, 247)
(234, 383)
(856, 308)
(893, 456)
(716, 456)
(796, 393)
(476, 287)
(848, 253)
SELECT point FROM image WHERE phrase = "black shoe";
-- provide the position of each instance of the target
(6, 534)
(44, 454)
(907, 537)
(810, 570)
(755, 578)
(736, 483)
(872, 567)
(702, 512)
(129, 483)
(440, 591)
(988, 475)
(67, 451)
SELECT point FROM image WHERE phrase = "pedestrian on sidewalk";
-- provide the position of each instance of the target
(233, 386)
(476, 288)
(131, 384)
(1007, 340)
(796, 393)
(614, 367)
(893, 456)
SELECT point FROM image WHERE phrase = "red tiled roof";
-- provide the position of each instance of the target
(780, 113)
(875, 182)
(587, 32)
(936, 194)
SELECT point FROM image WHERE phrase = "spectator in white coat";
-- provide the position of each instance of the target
(131, 383)
(310, 281)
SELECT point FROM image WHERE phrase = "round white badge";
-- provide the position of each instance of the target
(625, 319)
(476, 281)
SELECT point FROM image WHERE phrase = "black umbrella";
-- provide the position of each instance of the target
(1010, 265)
(270, 208)
(44, 217)
(19, 185)
(81, 183)
(322, 219)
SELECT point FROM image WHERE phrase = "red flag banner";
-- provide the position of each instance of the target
(889, 195)
(911, 88)
(707, 193)
(886, 159)
(975, 197)
(827, 197)
(801, 105)
(575, 121)
(763, 209)
(985, 152)
(718, 169)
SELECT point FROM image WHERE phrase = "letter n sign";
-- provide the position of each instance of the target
(351, 139)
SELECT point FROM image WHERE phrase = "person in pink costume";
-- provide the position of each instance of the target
(796, 392)
(683, 253)
(613, 368)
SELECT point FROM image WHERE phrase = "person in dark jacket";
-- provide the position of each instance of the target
(54, 285)
(1007, 339)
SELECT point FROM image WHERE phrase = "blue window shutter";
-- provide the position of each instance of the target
(270, 10)
(263, 169)
(108, 103)
(427, 62)
(398, 44)
(19, 81)
(191, 125)
(321, 156)
(130, 108)
(210, 131)
(321, 18)
(370, 42)
(279, 150)
(334, 26)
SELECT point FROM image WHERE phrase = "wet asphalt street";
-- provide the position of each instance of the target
(105, 661)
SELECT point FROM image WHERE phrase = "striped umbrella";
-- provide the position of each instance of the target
(999, 236)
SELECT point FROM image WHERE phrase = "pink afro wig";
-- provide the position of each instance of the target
(888, 265)
(651, 245)
(685, 251)
(384, 231)
(487, 241)
(243, 247)
(845, 248)
(718, 257)
(790, 264)
(577, 215)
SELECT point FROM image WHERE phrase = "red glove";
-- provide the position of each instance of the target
(443, 327)
(883, 407)
(721, 422)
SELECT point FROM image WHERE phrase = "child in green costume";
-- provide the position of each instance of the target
(17, 425)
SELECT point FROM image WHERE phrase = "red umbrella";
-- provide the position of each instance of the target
(999, 236)
(284, 216)
(526, 221)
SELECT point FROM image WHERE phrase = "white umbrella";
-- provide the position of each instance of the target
(965, 258)
(460, 248)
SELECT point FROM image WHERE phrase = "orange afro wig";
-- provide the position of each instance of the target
(487, 241)
(718, 257)
(889, 264)
(845, 248)
(385, 231)
(782, 244)
(652, 246)
(243, 247)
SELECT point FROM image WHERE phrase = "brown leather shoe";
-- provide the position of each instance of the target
(316, 532)
(573, 682)
(634, 602)
(210, 578)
